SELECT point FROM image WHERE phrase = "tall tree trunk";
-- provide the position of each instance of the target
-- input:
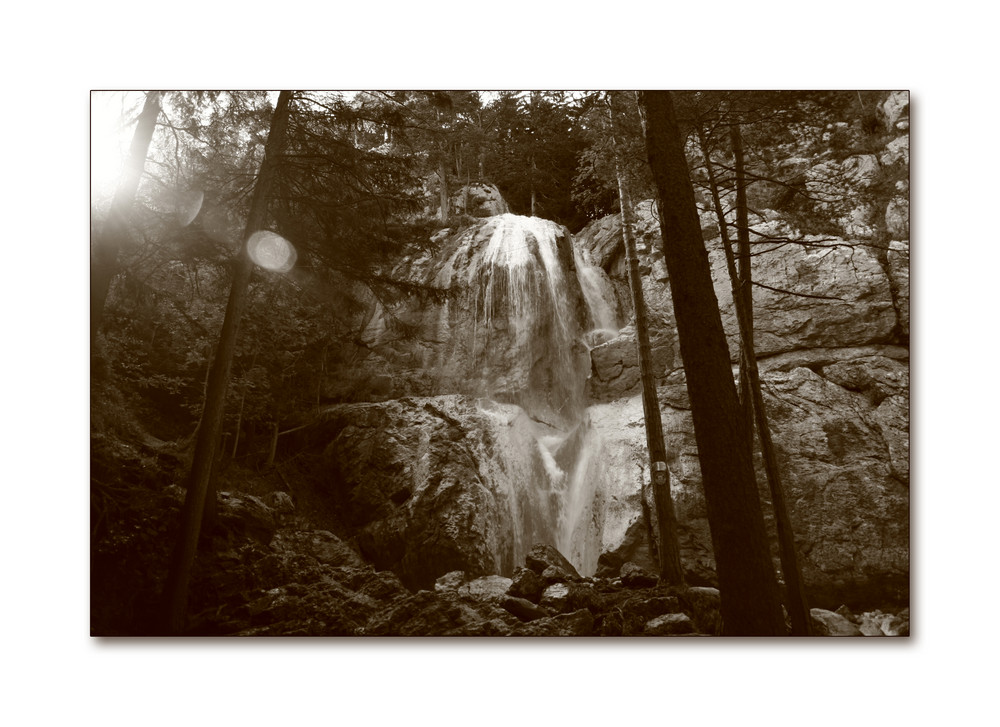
(178, 579)
(751, 604)
(534, 192)
(745, 292)
(104, 257)
(443, 188)
(668, 550)
(798, 609)
(750, 378)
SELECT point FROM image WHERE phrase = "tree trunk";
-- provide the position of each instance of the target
(443, 188)
(239, 423)
(798, 609)
(751, 605)
(104, 257)
(178, 579)
(534, 193)
(668, 550)
(274, 447)
(750, 381)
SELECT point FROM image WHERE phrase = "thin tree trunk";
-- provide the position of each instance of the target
(465, 193)
(751, 605)
(798, 609)
(274, 447)
(668, 550)
(104, 257)
(178, 579)
(239, 423)
(534, 193)
(443, 186)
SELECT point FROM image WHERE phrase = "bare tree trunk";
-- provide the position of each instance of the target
(668, 550)
(751, 604)
(178, 579)
(274, 447)
(534, 192)
(104, 255)
(798, 609)
(239, 423)
(443, 187)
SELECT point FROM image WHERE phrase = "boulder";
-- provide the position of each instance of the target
(322, 545)
(828, 623)
(895, 108)
(247, 515)
(450, 581)
(479, 199)
(486, 588)
(578, 623)
(280, 502)
(703, 603)
(542, 557)
(897, 151)
(669, 624)
(526, 584)
(564, 597)
(635, 577)
(525, 610)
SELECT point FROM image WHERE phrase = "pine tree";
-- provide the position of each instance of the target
(750, 599)
(668, 548)
(176, 589)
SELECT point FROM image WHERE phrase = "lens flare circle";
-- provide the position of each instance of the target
(188, 205)
(271, 251)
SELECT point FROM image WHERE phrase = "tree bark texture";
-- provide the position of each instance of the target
(104, 257)
(741, 281)
(178, 580)
(798, 609)
(443, 189)
(666, 519)
(751, 604)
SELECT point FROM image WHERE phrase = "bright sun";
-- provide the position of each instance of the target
(112, 120)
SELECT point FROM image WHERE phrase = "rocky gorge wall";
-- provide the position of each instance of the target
(836, 386)
(511, 415)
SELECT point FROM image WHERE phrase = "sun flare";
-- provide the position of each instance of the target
(112, 121)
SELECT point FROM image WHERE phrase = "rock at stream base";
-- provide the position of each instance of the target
(635, 577)
(828, 623)
(669, 624)
(542, 557)
(526, 584)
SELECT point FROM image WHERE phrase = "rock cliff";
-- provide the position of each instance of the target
(511, 414)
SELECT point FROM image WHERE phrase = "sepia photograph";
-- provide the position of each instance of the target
(501, 363)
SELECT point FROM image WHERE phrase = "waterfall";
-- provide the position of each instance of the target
(599, 294)
(516, 332)
(536, 302)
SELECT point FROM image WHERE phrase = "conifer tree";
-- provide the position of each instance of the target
(750, 599)
(176, 589)
(668, 549)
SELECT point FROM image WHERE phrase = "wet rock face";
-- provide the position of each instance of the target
(514, 323)
(448, 483)
(429, 486)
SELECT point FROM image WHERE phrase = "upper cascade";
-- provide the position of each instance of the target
(516, 326)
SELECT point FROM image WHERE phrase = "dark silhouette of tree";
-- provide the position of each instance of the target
(178, 579)
(668, 549)
(751, 603)
(755, 414)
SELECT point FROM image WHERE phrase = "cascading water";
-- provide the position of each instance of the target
(536, 302)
